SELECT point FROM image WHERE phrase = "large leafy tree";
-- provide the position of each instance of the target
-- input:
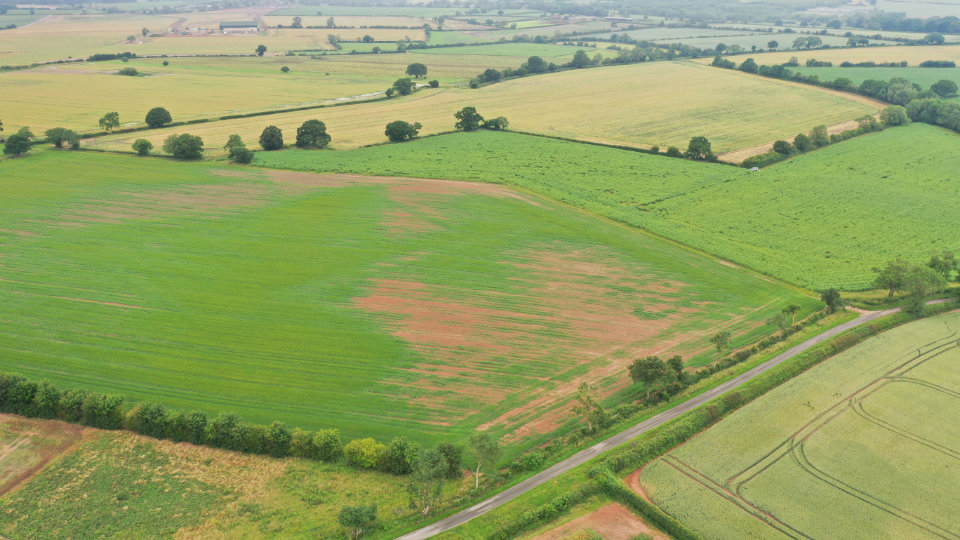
(404, 86)
(271, 138)
(417, 70)
(651, 371)
(157, 117)
(184, 146)
(699, 148)
(486, 450)
(398, 130)
(110, 121)
(468, 119)
(312, 134)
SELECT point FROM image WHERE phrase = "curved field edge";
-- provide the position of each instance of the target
(603, 104)
(772, 221)
(892, 475)
(300, 298)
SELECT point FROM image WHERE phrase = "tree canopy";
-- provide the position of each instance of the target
(404, 86)
(184, 146)
(699, 148)
(468, 119)
(312, 134)
(157, 117)
(110, 121)
(417, 70)
(399, 130)
(271, 138)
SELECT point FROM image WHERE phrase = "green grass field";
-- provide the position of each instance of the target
(772, 220)
(327, 301)
(609, 104)
(917, 75)
(862, 446)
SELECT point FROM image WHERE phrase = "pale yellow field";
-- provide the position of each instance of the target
(79, 36)
(659, 103)
(913, 55)
(211, 87)
(312, 20)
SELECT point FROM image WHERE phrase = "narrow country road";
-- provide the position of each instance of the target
(630, 433)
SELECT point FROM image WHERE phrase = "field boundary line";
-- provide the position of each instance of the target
(635, 431)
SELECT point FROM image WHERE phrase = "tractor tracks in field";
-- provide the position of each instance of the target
(630, 433)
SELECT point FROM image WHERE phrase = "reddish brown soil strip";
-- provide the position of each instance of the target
(612, 521)
(36, 444)
(633, 482)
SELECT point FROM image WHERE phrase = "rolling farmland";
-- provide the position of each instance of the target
(875, 210)
(911, 54)
(742, 111)
(864, 445)
(324, 301)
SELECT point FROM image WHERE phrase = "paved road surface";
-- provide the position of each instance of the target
(585, 455)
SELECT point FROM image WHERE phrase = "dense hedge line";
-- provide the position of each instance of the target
(19, 395)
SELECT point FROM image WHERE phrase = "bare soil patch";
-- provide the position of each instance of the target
(612, 521)
(27, 446)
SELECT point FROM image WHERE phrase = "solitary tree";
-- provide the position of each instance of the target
(17, 144)
(782, 321)
(261, 49)
(588, 408)
(297, 23)
(404, 86)
(110, 121)
(271, 138)
(237, 151)
(934, 38)
(468, 119)
(285, 69)
(358, 518)
(486, 450)
(312, 134)
(792, 311)
(650, 371)
(157, 117)
(398, 130)
(417, 70)
(772, 44)
(184, 146)
(142, 147)
(819, 136)
(699, 148)
(832, 298)
(721, 342)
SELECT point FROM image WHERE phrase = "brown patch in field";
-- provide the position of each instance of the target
(19, 233)
(201, 198)
(405, 189)
(30, 445)
(612, 522)
(566, 309)
(633, 482)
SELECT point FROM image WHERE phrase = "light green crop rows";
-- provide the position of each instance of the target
(864, 445)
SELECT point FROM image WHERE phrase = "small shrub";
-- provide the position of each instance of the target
(142, 147)
(129, 72)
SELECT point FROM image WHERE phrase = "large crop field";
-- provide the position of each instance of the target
(864, 445)
(324, 301)
(912, 55)
(925, 77)
(772, 220)
(643, 104)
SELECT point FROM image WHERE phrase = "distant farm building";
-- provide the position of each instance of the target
(233, 27)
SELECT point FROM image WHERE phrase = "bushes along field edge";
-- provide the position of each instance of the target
(605, 477)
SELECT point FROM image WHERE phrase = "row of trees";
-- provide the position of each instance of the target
(917, 280)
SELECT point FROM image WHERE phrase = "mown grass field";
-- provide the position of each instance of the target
(325, 301)
(917, 75)
(862, 446)
(659, 103)
(873, 208)
(911, 54)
